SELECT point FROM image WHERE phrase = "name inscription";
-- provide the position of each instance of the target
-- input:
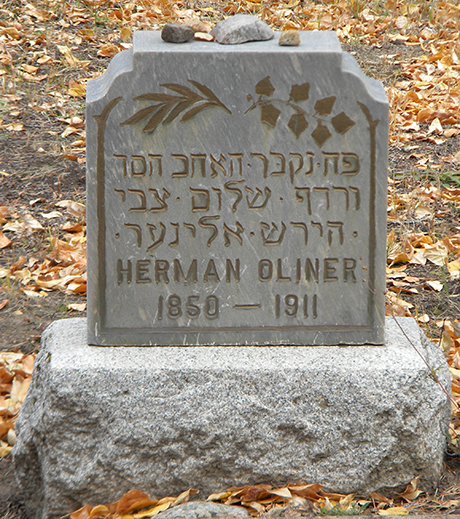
(236, 200)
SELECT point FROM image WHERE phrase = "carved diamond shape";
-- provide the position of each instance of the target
(269, 115)
(321, 134)
(297, 124)
(342, 123)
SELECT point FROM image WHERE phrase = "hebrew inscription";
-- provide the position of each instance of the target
(235, 212)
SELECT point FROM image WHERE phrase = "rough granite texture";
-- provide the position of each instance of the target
(205, 510)
(241, 28)
(98, 422)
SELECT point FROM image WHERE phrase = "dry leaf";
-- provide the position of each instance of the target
(435, 285)
(108, 50)
(74, 208)
(4, 241)
(396, 510)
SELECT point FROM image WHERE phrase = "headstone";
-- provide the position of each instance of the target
(236, 195)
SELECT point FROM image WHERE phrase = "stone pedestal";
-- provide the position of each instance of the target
(99, 421)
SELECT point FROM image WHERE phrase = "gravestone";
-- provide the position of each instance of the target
(237, 198)
(236, 195)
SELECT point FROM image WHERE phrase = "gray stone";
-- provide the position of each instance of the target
(236, 195)
(98, 422)
(205, 510)
(174, 33)
(241, 28)
(289, 38)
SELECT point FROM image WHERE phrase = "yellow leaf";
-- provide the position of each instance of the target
(437, 254)
(454, 267)
(4, 241)
(76, 89)
(435, 126)
(98, 511)
(52, 214)
(31, 69)
(182, 498)
(5, 449)
(108, 50)
(219, 496)
(79, 307)
(152, 512)
(125, 34)
(396, 510)
(346, 501)
(283, 492)
(435, 285)
(74, 208)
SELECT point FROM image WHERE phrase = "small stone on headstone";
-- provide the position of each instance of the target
(204, 36)
(241, 28)
(289, 38)
(197, 25)
(174, 33)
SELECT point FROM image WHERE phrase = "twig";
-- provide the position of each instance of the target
(433, 373)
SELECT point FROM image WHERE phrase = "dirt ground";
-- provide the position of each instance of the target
(43, 177)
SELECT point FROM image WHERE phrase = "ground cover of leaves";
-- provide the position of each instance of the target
(48, 52)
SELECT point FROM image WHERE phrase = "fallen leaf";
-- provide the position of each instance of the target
(396, 510)
(4, 241)
(108, 50)
(435, 285)
(74, 208)
(78, 307)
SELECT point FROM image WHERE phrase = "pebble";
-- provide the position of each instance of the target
(204, 36)
(241, 28)
(174, 33)
(289, 38)
(197, 25)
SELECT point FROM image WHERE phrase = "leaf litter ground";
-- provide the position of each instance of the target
(49, 50)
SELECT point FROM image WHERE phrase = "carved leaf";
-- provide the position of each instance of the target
(342, 123)
(160, 98)
(321, 134)
(175, 105)
(269, 115)
(157, 118)
(185, 91)
(180, 107)
(208, 93)
(298, 124)
(265, 87)
(197, 109)
(324, 106)
(300, 92)
(141, 114)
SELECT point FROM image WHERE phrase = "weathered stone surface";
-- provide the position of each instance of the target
(205, 510)
(236, 195)
(241, 28)
(174, 33)
(98, 422)
(289, 38)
